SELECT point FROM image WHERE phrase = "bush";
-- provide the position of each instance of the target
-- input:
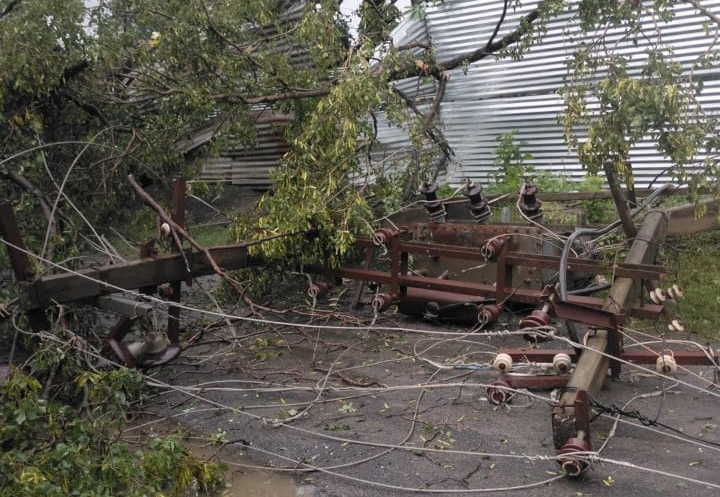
(51, 449)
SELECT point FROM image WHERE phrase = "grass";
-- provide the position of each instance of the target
(695, 264)
(208, 235)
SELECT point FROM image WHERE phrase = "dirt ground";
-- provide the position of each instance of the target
(398, 406)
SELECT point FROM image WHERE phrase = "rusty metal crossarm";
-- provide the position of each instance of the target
(623, 269)
(89, 283)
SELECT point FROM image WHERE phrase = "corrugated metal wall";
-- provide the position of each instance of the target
(495, 97)
(250, 167)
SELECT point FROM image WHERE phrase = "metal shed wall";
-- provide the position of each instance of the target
(497, 96)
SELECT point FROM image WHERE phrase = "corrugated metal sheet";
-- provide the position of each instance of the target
(497, 96)
(250, 167)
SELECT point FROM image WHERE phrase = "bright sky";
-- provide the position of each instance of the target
(349, 6)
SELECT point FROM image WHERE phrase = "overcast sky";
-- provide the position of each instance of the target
(349, 6)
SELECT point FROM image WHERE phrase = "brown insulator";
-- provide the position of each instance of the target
(382, 302)
(529, 204)
(488, 314)
(569, 461)
(434, 207)
(491, 248)
(499, 393)
(536, 319)
(479, 208)
(382, 236)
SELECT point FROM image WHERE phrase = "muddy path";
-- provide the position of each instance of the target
(395, 406)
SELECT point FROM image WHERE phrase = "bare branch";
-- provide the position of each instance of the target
(489, 49)
(704, 10)
(499, 24)
(9, 7)
(492, 47)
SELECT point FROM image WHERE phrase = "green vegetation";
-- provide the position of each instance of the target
(694, 261)
(512, 163)
(52, 449)
(88, 97)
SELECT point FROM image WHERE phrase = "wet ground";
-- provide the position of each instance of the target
(399, 408)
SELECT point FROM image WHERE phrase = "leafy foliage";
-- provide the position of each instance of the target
(51, 450)
(512, 162)
(659, 99)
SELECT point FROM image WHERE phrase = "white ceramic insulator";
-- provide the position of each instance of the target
(562, 363)
(502, 363)
(164, 230)
(678, 327)
(677, 292)
(660, 294)
(654, 298)
(666, 364)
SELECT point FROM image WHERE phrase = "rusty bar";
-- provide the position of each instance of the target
(535, 381)
(178, 216)
(114, 341)
(640, 271)
(9, 230)
(93, 282)
(624, 269)
(588, 315)
(503, 275)
(394, 265)
(360, 284)
(684, 357)
(22, 267)
(536, 355)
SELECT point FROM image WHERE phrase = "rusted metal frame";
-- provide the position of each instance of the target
(452, 286)
(536, 355)
(644, 311)
(441, 250)
(173, 321)
(623, 269)
(503, 275)
(23, 268)
(592, 316)
(591, 369)
(394, 266)
(682, 357)
(93, 282)
(360, 284)
(578, 308)
(114, 340)
(534, 381)
(178, 216)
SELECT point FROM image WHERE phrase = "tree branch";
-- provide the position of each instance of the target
(492, 47)
(9, 7)
(499, 24)
(704, 10)
(422, 69)
(25, 184)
